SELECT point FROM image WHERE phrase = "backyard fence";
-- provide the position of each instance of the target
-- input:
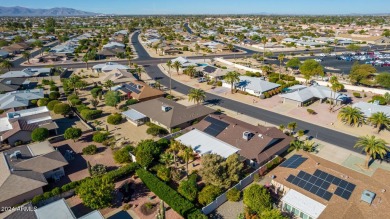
(240, 186)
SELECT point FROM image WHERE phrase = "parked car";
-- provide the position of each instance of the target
(318, 60)
(322, 55)
(332, 54)
(202, 79)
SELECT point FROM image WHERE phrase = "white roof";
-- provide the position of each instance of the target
(369, 108)
(27, 112)
(58, 209)
(203, 143)
(303, 203)
(256, 84)
(5, 125)
(27, 72)
(320, 92)
(109, 66)
(19, 98)
(133, 114)
(114, 44)
(93, 215)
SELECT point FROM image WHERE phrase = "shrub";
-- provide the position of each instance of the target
(208, 194)
(54, 95)
(233, 195)
(131, 102)
(81, 107)
(75, 102)
(39, 134)
(188, 188)
(122, 172)
(73, 133)
(219, 83)
(34, 102)
(166, 193)
(54, 88)
(156, 130)
(90, 149)
(164, 173)
(88, 114)
(52, 103)
(72, 96)
(311, 112)
(95, 92)
(98, 170)
(99, 137)
(43, 101)
(114, 119)
(122, 155)
(357, 95)
(379, 98)
(56, 191)
(62, 108)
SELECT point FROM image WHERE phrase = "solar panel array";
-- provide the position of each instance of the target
(216, 126)
(344, 188)
(294, 161)
(132, 87)
(319, 182)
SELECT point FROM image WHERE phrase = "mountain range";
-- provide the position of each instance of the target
(22, 11)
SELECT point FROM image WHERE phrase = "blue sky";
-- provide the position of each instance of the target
(212, 6)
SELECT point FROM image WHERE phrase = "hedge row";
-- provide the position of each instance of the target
(112, 175)
(179, 204)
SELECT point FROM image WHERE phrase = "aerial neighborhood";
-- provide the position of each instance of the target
(246, 116)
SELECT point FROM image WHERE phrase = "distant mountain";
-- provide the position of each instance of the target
(21, 11)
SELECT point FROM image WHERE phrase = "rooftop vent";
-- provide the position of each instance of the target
(247, 135)
(261, 136)
(367, 196)
(165, 108)
(16, 154)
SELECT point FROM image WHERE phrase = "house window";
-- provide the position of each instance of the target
(287, 207)
(303, 216)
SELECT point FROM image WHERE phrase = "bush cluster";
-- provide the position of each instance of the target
(114, 119)
(90, 149)
(311, 112)
(155, 130)
(99, 137)
(89, 114)
(357, 95)
(233, 195)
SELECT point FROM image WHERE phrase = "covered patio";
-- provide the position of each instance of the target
(135, 117)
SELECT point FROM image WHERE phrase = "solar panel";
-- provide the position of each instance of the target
(320, 192)
(346, 194)
(350, 187)
(301, 174)
(290, 178)
(327, 195)
(336, 181)
(131, 87)
(293, 162)
(339, 191)
(329, 179)
(317, 173)
(343, 184)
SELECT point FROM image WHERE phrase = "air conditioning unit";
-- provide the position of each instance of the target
(247, 135)
(165, 108)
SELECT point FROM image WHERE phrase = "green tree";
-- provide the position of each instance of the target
(353, 47)
(175, 147)
(293, 63)
(233, 195)
(52, 104)
(6, 64)
(292, 126)
(86, 60)
(379, 120)
(359, 73)
(310, 68)
(164, 173)
(73, 133)
(62, 108)
(373, 147)
(112, 98)
(43, 102)
(208, 194)
(187, 155)
(351, 116)
(188, 188)
(114, 119)
(169, 65)
(295, 145)
(264, 40)
(123, 155)
(54, 95)
(94, 102)
(39, 134)
(96, 192)
(257, 198)
(196, 95)
(26, 55)
(272, 214)
(383, 79)
(177, 66)
(281, 59)
(144, 158)
(108, 84)
(232, 77)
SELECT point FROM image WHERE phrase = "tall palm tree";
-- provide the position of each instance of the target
(264, 40)
(167, 158)
(336, 42)
(281, 59)
(295, 145)
(7, 64)
(336, 87)
(129, 56)
(332, 81)
(139, 72)
(379, 120)
(169, 65)
(196, 95)
(177, 66)
(108, 84)
(26, 55)
(351, 116)
(71, 82)
(197, 48)
(266, 69)
(373, 147)
(86, 60)
(232, 78)
(187, 154)
(175, 147)
(292, 126)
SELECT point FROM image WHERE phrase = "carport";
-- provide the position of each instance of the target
(135, 117)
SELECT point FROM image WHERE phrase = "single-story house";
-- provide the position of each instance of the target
(138, 90)
(13, 84)
(16, 126)
(212, 72)
(364, 38)
(314, 92)
(253, 85)
(184, 62)
(169, 114)
(4, 54)
(27, 72)
(119, 76)
(19, 98)
(113, 45)
(370, 108)
(17, 48)
(110, 52)
(256, 144)
(24, 170)
(109, 66)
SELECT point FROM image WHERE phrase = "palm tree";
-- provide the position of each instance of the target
(175, 147)
(281, 127)
(373, 147)
(26, 55)
(336, 87)
(336, 42)
(196, 95)
(7, 64)
(39, 44)
(139, 71)
(230, 47)
(292, 126)
(167, 158)
(264, 41)
(300, 133)
(129, 56)
(108, 84)
(177, 66)
(309, 146)
(169, 65)
(351, 116)
(295, 145)
(379, 120)
(280, 58)
(86, 59)
(197, 48)
(232, 78)
(187, 154)
(191, 71)
(332, 81)
(266, 69)
(71, 82)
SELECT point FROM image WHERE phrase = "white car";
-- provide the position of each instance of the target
(318, 60)
(332, 54)
(322, 55)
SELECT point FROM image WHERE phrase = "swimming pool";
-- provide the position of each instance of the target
(203, 64)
